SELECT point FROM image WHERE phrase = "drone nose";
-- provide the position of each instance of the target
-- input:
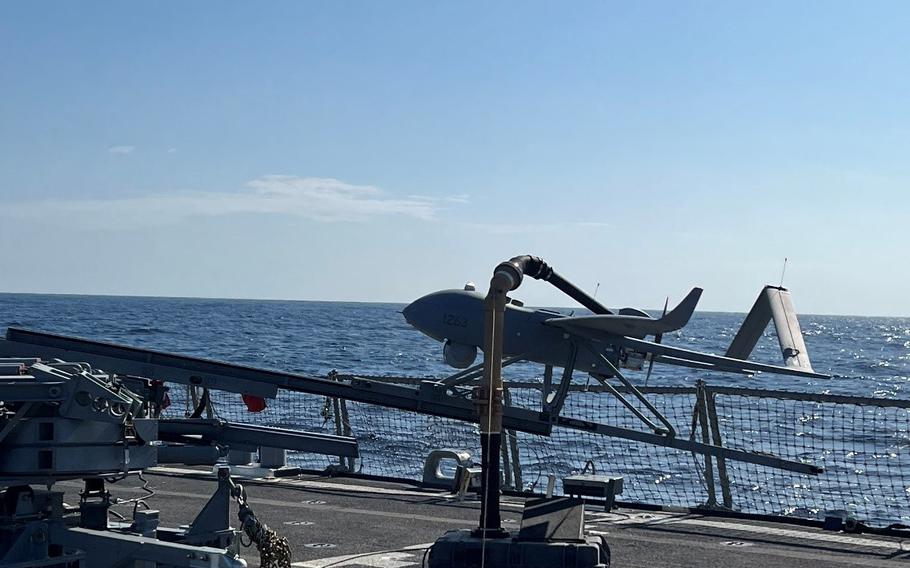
(422, 314)
(412, 312)
(408, 312)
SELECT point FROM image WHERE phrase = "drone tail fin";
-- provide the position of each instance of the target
(680, 315)
(774, 302)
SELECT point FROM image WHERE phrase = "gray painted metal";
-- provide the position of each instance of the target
(26, 389)
(274, 458)
(720, 364)
(141, 362)
(461, 549)
(813, 397)
(668, 429)
(605, 487)
(189, 454)
(85, 424)
(711, 408)
(92, 426)
(212, 524)
(554, 407)
(688, 445)
(251, 437)
(120, 549)
(74, 449)
(10, 369)
(562, 518)
(669, 390)
(429, 398)
(773, 302)
(635, 323)
(700, 417)
(789, 334)
(544, 336)
(432, 466)
(476, 372)
(752, 328)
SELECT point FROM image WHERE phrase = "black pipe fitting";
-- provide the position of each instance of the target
(535, 267)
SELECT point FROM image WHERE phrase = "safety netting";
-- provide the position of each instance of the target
(863, 445)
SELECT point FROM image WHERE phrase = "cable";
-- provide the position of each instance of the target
(137, 500)
(203, 402)
(347, 559)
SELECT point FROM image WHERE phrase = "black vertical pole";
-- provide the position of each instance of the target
(491, 523)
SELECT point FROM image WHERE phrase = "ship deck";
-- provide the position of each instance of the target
(345, 522)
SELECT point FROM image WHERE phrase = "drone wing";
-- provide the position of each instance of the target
(633, 325)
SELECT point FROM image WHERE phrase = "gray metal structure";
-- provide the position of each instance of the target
(774, 302)
(62, 421)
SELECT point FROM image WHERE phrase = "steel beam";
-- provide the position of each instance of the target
(689, 446)
(131, 361)
(126, 549)
(235, 435)
(30, 390)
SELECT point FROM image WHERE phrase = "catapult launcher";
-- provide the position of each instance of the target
(62, 422)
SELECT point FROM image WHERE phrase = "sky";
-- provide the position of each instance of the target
(377, 151)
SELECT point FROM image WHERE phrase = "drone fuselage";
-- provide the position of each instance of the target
(455, 317)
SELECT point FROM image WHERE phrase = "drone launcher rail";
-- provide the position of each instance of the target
(430, 397)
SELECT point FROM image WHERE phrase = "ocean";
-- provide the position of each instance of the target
(868, 356)
(865, 450)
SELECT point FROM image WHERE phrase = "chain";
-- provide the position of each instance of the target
(326, 411)
(274, 550)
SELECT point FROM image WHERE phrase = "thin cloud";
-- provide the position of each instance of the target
(329, 199)
(121, 149)
(520, 228)
(319, 199)
(461, 198)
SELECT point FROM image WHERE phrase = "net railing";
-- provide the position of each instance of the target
(863, 444)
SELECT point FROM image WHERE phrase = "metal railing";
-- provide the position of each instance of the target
(862, 443)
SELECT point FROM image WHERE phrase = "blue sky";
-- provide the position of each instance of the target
(381, 150)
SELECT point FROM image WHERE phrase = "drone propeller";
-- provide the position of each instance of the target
(657, 339)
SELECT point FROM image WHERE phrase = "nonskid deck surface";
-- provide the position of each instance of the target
(343, 522)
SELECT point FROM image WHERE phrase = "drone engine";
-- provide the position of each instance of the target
(459, 355)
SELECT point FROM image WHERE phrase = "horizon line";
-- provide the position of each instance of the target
(162, 297)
